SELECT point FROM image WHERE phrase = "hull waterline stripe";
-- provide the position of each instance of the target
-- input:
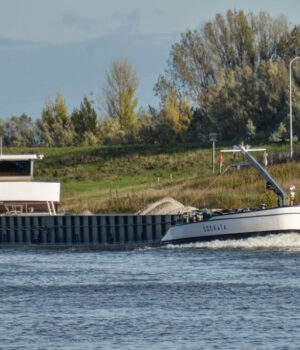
(226, 237)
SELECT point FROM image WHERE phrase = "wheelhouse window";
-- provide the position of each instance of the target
(15, 168)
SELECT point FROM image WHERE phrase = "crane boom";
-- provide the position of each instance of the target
(279, 191)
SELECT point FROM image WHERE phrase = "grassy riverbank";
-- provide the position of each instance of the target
(126, 178)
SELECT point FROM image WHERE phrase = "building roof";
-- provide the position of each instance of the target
(7, 157)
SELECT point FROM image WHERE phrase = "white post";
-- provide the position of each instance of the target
(213, 139)
(213, 157)
(291, 108)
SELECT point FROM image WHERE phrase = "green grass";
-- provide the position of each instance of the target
(126, 178)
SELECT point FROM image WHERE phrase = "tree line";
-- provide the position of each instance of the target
(231, 76)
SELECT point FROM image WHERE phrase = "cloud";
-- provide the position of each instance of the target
(125, 23)
(72, 19)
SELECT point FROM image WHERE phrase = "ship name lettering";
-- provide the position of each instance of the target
(213, 228)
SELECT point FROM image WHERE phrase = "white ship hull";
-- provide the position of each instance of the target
(237, 225)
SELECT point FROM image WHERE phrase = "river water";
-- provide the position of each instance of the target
(219, 295)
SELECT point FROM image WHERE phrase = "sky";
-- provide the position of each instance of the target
(66, 46)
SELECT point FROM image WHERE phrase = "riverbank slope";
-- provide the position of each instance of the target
(127, 178)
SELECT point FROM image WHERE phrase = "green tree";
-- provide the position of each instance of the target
(289, 45)
(279, 134)
(225, 43)
(111, 132)
(148, 126)
(272, 102)
(232, 70)
(85, 123)
(19, 131)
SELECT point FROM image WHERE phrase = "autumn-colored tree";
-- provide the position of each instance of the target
(174, 119)
(54, 127)
(119, 101)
